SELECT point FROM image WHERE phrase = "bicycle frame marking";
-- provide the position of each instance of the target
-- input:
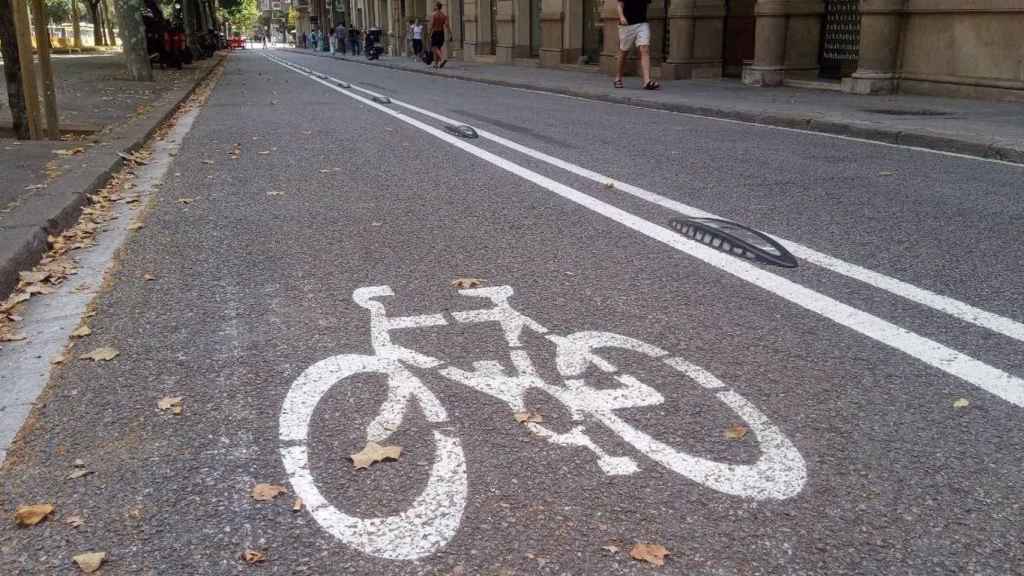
(434, 516)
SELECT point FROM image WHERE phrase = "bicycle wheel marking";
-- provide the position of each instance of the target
(434, 517)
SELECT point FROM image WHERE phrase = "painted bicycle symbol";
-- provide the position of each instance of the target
(434, 516)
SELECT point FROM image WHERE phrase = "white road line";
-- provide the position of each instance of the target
(956, 308)
(988, 378)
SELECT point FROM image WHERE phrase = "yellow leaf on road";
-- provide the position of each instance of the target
(962, 403)
(466, 282)
(148, 277)
(81, 331)
(374, 452)
(172, 403)
(90, 562)
(11, 337)
(136, 226)
(297, 505)
(105, 353)
(74, 521)
(185, 200)
(254, 556)
(650, 553)
(32, 514)
(736, 432)
(524, 417)
(267, 492)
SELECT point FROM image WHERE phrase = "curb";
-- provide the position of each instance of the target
(25, 243)
(811, 123)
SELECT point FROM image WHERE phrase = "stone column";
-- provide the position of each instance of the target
(572, 31)
(552, 14)
(695, 39)
(803, 38)
(657, 21)
(769, 44)
(504, 52)
(471, 43)
(879, 47)
(610, 48)
(521, 28)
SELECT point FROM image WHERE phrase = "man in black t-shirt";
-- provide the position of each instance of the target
(634, 29)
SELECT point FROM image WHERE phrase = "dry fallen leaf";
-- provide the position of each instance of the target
(466, 282)
(39, 289)
(254, 556)
(104, 353)
(32, 514)
(275, 193)
(297, 505)
(962, 403)
(11, 337)
(59, 359)
(524, 417)
(90, 561)
(148, 277)
(81, 331)
(136, 226)
(74, 521)
(69, 151)
(267, 492)
(887, 173)
(374, 452)
(185, 200)
(650, 553)
(264, 152)
(33, 277)
(736, 432)
(172, 403)
(207, 161)
(611, 548)
(78, 473)
(13, 300)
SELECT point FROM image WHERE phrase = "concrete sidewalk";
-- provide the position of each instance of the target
(974, 127)
(45, 183)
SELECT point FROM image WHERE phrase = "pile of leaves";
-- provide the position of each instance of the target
(59, 263)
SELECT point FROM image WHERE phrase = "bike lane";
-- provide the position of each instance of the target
(255, 284)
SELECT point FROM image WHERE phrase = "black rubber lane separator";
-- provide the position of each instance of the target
(735, 239)
(343, 84)
(382, 100)
(461, 130)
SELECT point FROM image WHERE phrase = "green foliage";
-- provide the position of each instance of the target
(242, 14)
(59, 11)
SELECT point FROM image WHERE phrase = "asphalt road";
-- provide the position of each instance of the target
(843, 447)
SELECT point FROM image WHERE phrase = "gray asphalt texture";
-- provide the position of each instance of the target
(254, 288)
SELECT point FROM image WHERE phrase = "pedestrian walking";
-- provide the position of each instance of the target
(438, 26)
(341, 37)
(355, 36)
(634, 30)
(417, 38)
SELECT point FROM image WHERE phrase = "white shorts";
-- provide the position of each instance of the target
(639, 34)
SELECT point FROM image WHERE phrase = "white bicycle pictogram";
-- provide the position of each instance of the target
(434, 516)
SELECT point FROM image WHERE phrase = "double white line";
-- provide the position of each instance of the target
(984, 376)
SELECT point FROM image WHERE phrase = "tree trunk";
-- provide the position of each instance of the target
(12, 71)
(76, 31)
(188, 17)
(133, 40)
(108, 16)
(97, 28)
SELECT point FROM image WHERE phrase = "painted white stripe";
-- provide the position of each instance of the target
(988, 378)
(956, 308)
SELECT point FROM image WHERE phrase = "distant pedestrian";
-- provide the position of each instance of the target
(417, 38)
(438, 25)
(341, 37)
(354, 35)
(634, 29)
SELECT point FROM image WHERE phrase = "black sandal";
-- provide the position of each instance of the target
(651, 85)
(618, 84)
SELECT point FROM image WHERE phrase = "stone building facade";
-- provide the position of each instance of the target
(969, 48)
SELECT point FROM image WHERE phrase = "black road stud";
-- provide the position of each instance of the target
(461, 130)
(735, 239)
